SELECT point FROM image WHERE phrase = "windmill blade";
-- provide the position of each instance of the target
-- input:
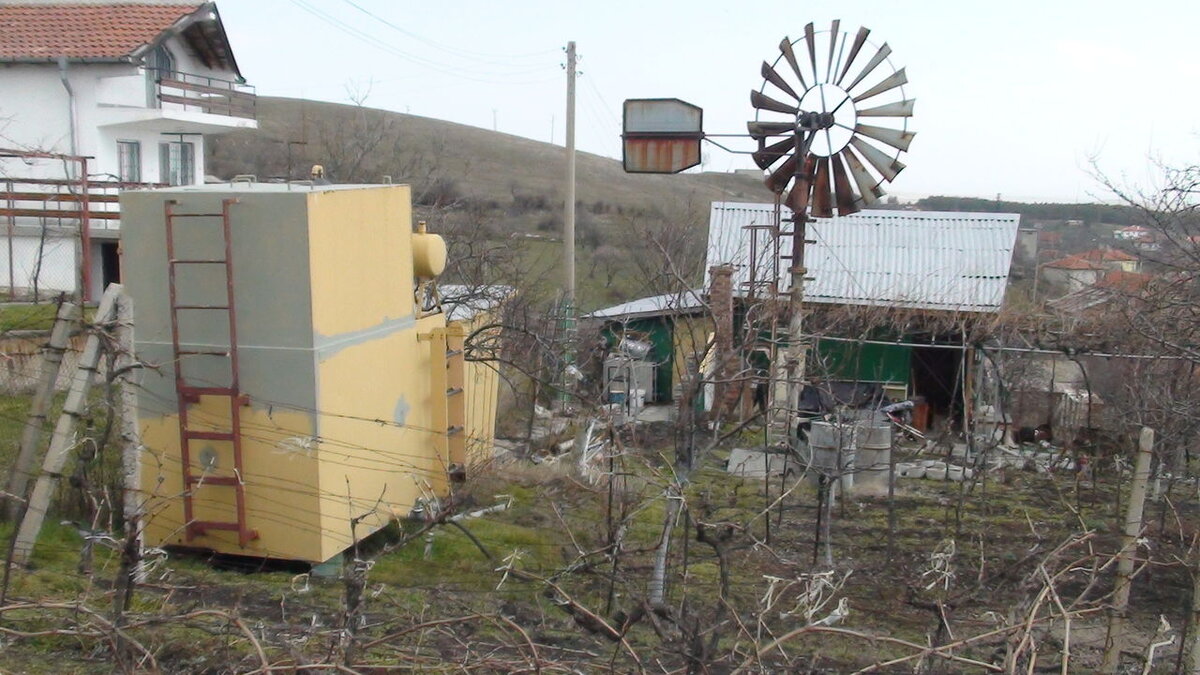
(896, 138)
(822, 199)
(867, 185)
(811, 38)
(834, 32)
(859, 41)
(890, 82)
(764, 102)
(773, 77)
(760, 130)
(790, 56)
(773, 152)
(847, 201)
(898, 109)
(797, 199)
(779, 178)
(880, 55)
(887, 167)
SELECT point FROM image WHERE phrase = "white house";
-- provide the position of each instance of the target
(133, 86)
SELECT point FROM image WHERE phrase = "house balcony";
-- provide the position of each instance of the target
(176, 102)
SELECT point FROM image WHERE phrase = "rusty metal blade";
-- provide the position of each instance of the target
(890, 82)
(773, 152)
(868, 187)
(887, 167)
(896, 138)
(859, 41)
(844, 195)
(790, 56)
(898, 109)
(834, 33)
(880, 55)
(764, 102)
(760, 130)
(822, 199)
(797, 199)
(779, 178)
(811, 38)
(773, 77)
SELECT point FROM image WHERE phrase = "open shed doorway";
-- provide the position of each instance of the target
(937, 376)
(110, 263)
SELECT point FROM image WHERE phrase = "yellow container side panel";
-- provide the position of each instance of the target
(482, 391)
(280, 470)
(378, 451)
(360, 257)
(691, 340)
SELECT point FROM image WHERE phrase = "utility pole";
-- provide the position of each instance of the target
(568, 299)
(569, 213)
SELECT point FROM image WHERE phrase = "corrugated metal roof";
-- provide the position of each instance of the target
(463, 303)
(667, 303)
(918, 259)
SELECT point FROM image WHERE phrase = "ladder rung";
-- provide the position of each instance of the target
(206, 391)
(201, 307)
(454, 431)
(200, 526)
(454, 391)
(230, 481)
(197, 215)
(202, 352)
(208, 435)
(199, 261)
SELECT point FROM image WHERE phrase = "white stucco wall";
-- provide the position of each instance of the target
(111, 104)
(57, 257)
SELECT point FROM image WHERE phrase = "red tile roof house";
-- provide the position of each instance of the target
(1112, 259)
(134, 86)
(1072, 273)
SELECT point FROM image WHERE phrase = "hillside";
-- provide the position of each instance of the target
(363, 144)
(479, 187)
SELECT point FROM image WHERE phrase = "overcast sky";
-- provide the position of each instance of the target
(1013, 98)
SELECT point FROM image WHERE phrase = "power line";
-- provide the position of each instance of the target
(474, 75)
(450, 50)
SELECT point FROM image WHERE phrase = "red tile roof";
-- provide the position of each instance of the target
(1124, 282)
(83, 31)
(1107, 255)
(1073, 262)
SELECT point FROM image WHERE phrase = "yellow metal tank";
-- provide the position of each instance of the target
(429, 253)
(347, 403)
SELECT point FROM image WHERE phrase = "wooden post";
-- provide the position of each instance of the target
(63, 439)
(131, 437)
(31, 436)
(1133, 526)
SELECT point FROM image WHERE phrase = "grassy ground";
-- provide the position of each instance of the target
(554, 526)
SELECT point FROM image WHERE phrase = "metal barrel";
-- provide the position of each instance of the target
(828, 443)
(874, 445)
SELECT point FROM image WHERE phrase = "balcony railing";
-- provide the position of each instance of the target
(205, 94)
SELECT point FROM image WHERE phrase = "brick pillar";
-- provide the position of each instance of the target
(720, 299)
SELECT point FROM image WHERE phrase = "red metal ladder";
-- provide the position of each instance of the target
(188, 393)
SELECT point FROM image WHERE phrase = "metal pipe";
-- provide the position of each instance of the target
(71, 110)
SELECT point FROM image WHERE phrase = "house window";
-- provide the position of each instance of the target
(129, 161)
(159, 64)
(177, 163)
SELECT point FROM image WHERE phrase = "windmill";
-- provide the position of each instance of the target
(816, 148)
(809, 121)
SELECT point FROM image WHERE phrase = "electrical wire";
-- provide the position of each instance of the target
(450, 50)
(474, 75)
